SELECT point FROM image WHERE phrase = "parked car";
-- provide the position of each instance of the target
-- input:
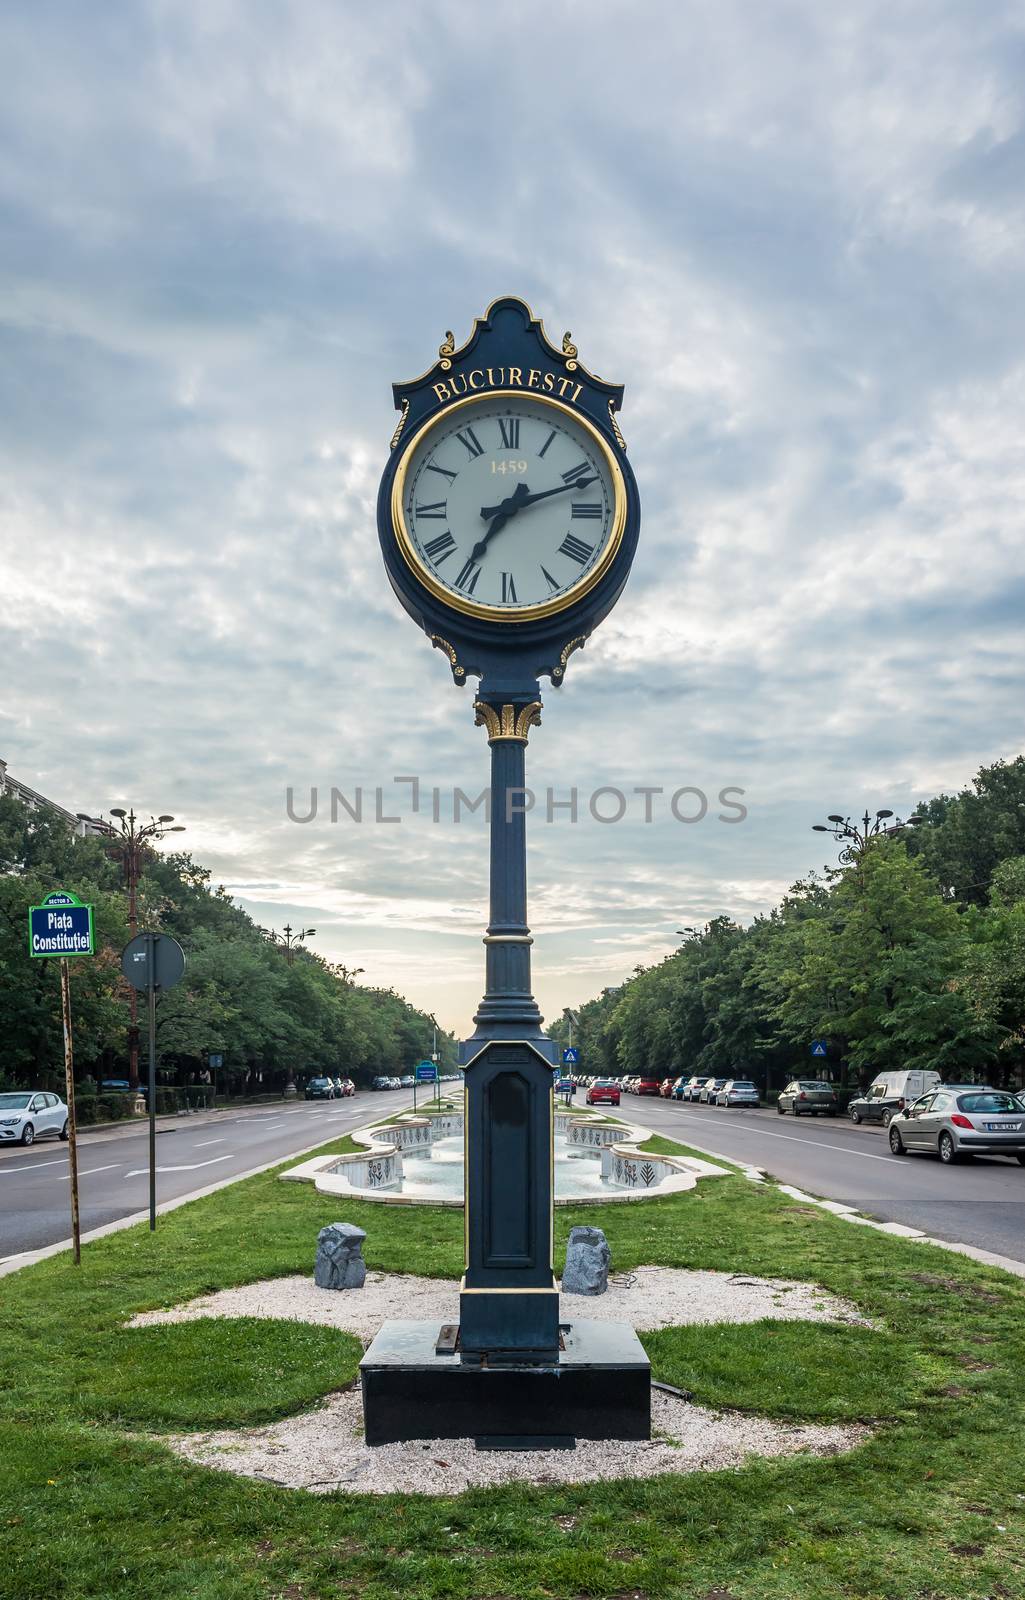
(115, 1086)
(665, 1088)
(407, 1081)
(738, 1092)
(648, 1085)
(678, 1088)
(808, 1097)
(564, 1085)
(952, 1123)
(877, 1104)
(348, 1087)
(708, 1091)
(320, 1089)
(25, 1117)
(603, 1091)
(692, 1088)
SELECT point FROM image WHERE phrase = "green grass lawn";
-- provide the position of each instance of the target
(931, 1508)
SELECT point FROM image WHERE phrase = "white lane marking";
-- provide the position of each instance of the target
(204, 1142)
(141, 1172)
(86, 1170)
(792, 1138)
(34, 1167)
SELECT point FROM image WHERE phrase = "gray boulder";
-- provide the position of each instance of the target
(587, 1262)
(339, 1263)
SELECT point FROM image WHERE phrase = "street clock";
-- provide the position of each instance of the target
(508, 514)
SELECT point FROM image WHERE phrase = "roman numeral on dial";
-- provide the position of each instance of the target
(467, 579)
(509, 428)
(576, 549)
(553, 586)
(472, 443)
(584, 470)
(439, 509)
(586, 508)
(547, 442)
(509, 596)
(442, 472)
(438, 548)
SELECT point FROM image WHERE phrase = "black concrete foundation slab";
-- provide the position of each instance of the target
(599, 1388)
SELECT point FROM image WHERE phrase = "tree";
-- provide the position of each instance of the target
(875, 969)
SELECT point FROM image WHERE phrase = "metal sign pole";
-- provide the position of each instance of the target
(69, 1089)
(151, 994)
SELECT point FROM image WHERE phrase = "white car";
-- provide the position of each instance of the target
(24, 1116)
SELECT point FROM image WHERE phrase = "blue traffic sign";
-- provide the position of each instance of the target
(819, 1047)
(61, 926)
(571, 1055)
(426, 1072)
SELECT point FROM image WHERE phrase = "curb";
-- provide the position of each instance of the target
(846, 1213)
(29, 1258)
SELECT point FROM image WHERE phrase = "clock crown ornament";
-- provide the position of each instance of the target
(508, 513)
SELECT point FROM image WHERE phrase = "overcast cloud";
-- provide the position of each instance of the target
(794, 231)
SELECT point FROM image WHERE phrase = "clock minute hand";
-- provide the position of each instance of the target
(545, 494)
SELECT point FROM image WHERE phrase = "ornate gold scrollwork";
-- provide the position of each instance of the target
(569, 349)
(615, 426)
(447, 349)
(397, 435)
(506, 722)
(559, 672)
(458, 672)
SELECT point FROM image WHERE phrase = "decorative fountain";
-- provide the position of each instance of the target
(419, 1160)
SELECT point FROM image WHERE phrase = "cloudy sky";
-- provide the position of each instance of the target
(794, 231)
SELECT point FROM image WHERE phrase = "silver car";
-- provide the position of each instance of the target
(737, 1092)
(25, 1116)
(952, 1123)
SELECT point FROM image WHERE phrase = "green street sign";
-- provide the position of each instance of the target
(61, 926)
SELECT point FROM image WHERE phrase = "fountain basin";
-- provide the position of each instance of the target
(419, 1161)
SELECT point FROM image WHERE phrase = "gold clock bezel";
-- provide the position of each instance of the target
(477, 608)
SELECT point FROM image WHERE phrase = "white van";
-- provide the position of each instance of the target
(906, 1086)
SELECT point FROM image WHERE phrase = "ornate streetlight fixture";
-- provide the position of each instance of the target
(291, 941)
(128, 842)
(860, 833)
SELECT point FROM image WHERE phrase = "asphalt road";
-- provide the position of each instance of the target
(113, 1163)
(979, 1202)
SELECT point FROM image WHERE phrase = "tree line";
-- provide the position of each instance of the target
(911, 956)
(268, 1018)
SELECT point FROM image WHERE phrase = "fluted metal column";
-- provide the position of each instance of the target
(508, 1009)
(509, 1307)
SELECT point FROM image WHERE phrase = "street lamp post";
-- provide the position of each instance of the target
(288, 946)
(292, 940)
(129, 841)
(859, 834)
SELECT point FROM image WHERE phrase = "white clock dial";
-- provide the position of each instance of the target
(510, 505)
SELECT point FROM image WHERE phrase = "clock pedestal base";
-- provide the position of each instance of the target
(416, 1386)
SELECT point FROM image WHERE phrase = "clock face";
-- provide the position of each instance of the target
(509, 506)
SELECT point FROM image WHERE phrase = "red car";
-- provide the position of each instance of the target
(603, 1090)
(649, 1085)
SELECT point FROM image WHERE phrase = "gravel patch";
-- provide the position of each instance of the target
(651, 1297)
(324, 1451)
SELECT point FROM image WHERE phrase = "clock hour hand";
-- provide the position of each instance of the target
(529, 499)
(497, 524)
(499, 516)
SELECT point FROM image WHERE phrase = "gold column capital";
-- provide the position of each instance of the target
(509, 722)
